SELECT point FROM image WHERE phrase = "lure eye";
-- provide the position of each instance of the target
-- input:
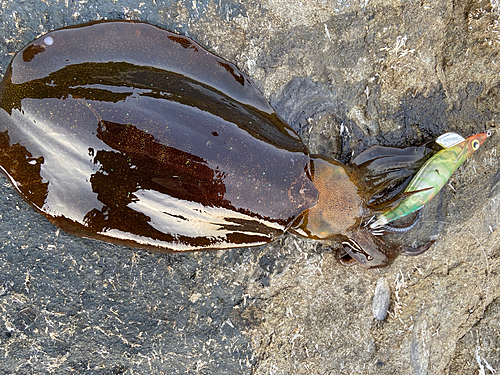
(475, 144)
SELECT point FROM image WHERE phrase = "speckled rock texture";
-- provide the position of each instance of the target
(346, 74)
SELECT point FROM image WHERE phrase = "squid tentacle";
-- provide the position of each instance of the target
(391, 229)
(402, 249)
(413, 251)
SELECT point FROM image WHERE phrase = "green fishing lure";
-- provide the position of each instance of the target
(433, 175)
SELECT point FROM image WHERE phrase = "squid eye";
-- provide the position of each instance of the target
(475, 144)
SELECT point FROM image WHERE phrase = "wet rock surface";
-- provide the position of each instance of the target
(346, 75)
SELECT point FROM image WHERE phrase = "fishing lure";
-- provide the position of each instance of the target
(433, 175)
(124, 132)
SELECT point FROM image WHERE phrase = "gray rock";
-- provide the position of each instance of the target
(395, 73)
(381, 299)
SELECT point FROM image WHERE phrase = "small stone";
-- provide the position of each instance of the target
(381, 299)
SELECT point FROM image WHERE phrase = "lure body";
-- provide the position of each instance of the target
(127, 133)
(431, 178)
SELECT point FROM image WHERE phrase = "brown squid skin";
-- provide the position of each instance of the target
(339, 208)
(128, 133)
